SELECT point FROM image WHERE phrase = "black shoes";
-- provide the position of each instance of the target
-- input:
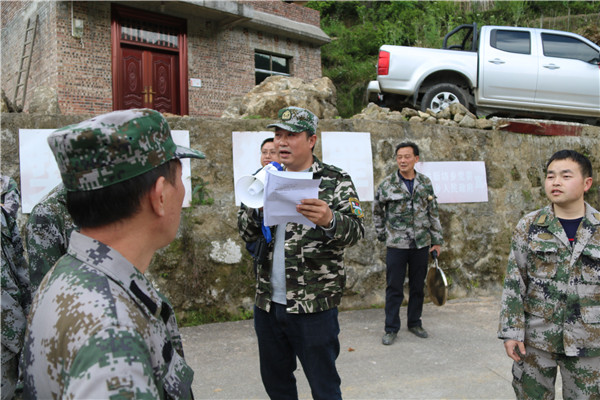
(419, 331)
(389, 338)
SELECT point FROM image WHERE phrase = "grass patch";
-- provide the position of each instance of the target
(201, 317)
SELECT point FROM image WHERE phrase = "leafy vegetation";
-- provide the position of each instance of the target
(200, 317)
(359, 28)
(200, 192)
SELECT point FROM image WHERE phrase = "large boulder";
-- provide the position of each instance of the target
(276, 92)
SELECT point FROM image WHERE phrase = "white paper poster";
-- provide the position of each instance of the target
(456, 181)
(40, 174)
(351, 151)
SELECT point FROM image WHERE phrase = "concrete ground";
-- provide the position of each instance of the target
(461, 359)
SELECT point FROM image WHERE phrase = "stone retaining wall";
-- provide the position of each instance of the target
(207, 268)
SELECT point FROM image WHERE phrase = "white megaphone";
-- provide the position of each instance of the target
(250, 188)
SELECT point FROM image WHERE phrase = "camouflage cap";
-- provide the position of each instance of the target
(296, 119)
(114, 147)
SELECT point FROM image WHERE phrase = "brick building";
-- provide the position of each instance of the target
(181, 57)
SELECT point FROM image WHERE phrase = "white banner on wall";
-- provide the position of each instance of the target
(456, 181)
(351, 151)
(40, 174)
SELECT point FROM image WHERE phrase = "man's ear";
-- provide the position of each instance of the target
(587, 183)
(156, 196)
(312, 139)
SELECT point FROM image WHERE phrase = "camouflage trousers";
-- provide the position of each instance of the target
(534, 377)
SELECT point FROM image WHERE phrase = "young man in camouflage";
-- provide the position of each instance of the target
(16, 297)
(47, 234)
(300, 281)
(405, 213)
(550, 312)
(98, 329)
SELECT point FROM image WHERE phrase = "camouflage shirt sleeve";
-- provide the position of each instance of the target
(379, 209)
(346, 208)
(435, 226)
(16, 298)
(512, 314)
(47, 234)
(249, 224)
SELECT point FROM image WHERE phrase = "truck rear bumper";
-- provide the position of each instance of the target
(373, 92)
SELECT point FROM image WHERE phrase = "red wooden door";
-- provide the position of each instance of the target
(164, 82)
(149, 80)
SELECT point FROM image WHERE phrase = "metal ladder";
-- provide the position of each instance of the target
(30, 34)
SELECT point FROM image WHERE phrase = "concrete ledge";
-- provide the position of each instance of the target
(283, 26)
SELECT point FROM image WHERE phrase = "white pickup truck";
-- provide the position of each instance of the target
(495, 70)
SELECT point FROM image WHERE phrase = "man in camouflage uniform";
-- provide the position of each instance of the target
(98, 329)
(15, 288)
(47, 234)
(300, 281)
(550, 312)
(405, 213)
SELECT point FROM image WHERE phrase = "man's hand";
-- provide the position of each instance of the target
(316, 211)
(437, 248)
(514, 349)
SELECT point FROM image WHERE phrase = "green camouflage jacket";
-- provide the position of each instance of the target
(551, 297)
(47, 234)
(16, 299)
(315, 274)
(400, 218)
(98, 329)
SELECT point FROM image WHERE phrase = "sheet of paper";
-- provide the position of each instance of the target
(283, 191)
(39, 172)
(351, 151)
(456, 181)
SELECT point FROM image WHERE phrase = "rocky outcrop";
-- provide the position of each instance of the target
(455, 115)
(276, 92)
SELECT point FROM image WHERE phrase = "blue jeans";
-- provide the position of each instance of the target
(313, 338)
(397, 261)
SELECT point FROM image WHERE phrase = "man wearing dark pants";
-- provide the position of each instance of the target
(406, 217)
(302, 277)
(312, 337)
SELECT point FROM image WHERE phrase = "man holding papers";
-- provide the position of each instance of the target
(300, 281)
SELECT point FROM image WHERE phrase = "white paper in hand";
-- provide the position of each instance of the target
(283, 191)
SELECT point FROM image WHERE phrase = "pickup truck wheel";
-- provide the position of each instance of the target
(441, 96)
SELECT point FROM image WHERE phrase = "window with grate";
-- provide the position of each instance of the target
(266, 65)
(149, 33)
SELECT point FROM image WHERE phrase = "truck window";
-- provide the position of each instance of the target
(567, 47)
(511, 41)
